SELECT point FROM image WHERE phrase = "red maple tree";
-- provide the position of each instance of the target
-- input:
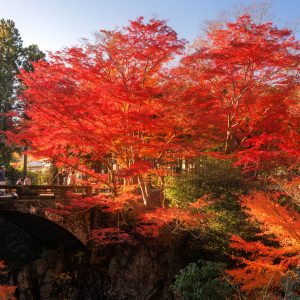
(103, 106)
(241, 80)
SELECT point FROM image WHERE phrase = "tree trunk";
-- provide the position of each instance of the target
(144, 189)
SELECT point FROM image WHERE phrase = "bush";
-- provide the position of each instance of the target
(44, 177)
(223, 183)
(202, 281)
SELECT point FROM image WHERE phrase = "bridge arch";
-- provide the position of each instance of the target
(32, 208)
(47, 232)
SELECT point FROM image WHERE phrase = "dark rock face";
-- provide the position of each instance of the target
(140, 271)
(37, 280)
(143, 272)
(135, 272)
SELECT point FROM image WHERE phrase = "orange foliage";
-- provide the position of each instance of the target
(151, 222)
(200, 203)
(276, 219)
(122, 202)
(262, 266)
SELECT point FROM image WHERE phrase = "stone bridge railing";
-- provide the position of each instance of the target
(43, 191)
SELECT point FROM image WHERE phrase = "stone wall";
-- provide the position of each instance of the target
(144, 271)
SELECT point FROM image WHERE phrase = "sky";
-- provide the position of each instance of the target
(54, 24)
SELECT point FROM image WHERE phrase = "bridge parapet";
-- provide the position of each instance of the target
(44, 191)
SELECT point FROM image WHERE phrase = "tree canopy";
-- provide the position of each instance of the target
(133, 108)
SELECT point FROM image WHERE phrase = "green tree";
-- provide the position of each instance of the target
(31, 54)
(13, 57)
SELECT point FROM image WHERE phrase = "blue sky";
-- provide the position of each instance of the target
(53, 24)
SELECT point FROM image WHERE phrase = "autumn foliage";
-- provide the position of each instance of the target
(264, 265)
(106, 104)
(115, 105)
(241, 81)
(133, 107)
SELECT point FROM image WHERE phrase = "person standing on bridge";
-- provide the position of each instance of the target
(64, 175)
(72, 179)
(20, 188)
(2, 175)
(20, 181)
(27, 181)
(59, 178)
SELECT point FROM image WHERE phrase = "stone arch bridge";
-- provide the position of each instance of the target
(26, 207)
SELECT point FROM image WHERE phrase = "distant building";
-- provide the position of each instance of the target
(34, 165)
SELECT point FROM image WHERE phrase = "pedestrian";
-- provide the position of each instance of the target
(60, 178)
(64, 177)
(27, 181)
(72, 178)
(2, 175)
(20, 187)
(20, 181)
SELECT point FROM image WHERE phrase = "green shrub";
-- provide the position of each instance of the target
(44, 177)
(223, 183)
(202, 281)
